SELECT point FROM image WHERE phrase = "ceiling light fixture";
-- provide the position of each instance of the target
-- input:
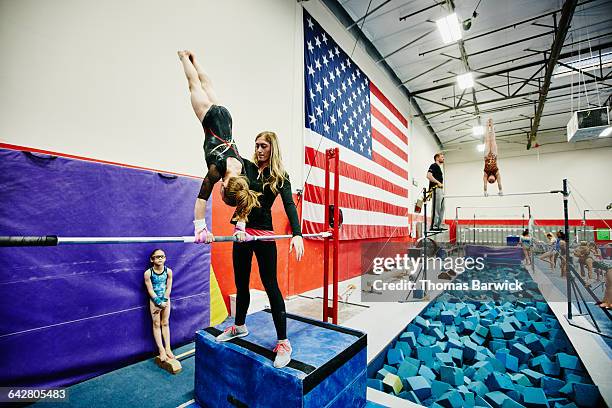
(449, 27)
(465, 81)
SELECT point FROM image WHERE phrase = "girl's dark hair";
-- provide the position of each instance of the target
(526, 232)
(151, 256)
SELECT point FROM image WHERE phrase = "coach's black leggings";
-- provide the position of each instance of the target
(242, 256)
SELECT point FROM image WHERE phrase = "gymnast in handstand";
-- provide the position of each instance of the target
(491, 171)
(222, 157)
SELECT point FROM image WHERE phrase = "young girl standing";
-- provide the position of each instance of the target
(158, 280)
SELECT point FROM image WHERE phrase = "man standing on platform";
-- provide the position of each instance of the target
(436, 178)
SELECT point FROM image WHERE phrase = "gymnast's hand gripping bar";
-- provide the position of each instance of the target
(54, 240)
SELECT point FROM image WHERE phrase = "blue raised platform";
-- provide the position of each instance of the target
(328, 366)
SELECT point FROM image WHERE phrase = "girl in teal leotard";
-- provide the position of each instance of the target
(158, 280)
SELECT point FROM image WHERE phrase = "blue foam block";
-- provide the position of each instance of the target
(381, 374)
(420, 322)
(567, 361)
(420, 385)
(537, 361)
(533, 376)
(242, 370)
(390, 369)
(395, 356)
(457, 355)
(409, 338)
(509, 361)
(533, 343)
(495, 345)
(451, 399)
(427, 373)
(453, 343)
(410, 396)
(376, 384)
(407, 369)
(445, 358)
(413, 328)
(551, 386)
(478, 387)
(478, 339)
(521, 352)
(404, 347)
(550, 368)
(447, 317)
(438, 388)
(425, 354)
(499, 382)
(481, 330)
(586, 395)
(534, 397)
(451, 375)
(521, 379)
(496, 398)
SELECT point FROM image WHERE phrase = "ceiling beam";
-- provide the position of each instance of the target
(513, 25)
(566, 17)
(601, 46)
(345, 19)
(469, 105)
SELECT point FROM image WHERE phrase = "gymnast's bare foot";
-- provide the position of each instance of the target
(169, 354)
(162, 355)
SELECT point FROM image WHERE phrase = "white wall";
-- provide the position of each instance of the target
(102, 79)
(589, 172)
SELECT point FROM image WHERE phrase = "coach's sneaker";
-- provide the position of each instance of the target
(283, 353)
(233, 332)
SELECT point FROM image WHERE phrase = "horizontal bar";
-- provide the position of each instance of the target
(504, 195)
(53, 240)
(492, 228)
(493, 206)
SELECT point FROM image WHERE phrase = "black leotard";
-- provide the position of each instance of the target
(218, 141)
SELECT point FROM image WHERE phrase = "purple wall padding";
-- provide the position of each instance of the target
(71, 312)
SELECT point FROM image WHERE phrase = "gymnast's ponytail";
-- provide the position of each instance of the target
(237, 194)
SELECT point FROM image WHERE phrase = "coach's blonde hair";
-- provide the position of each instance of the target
(277, 170)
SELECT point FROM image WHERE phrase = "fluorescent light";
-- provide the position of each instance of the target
(478, 130)
(480, 147)
(465, 81)
(583, 64)
(449, 28)
(606, 132)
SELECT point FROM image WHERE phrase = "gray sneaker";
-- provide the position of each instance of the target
(233, 332)
(283, 354)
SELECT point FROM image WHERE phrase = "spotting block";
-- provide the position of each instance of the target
(328, 366)
(171, 366)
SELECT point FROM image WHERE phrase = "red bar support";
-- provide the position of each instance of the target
(336, 232)
(331, 154)
(326, 243)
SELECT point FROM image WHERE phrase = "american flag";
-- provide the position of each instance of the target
(344, 109)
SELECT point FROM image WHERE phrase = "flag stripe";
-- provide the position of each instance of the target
(315, 194)
(315, 141)
(379, 137)
(396, 113)
(381, 122)
(380, 159)
(314, 213)
(359, 231)
(351, 186)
